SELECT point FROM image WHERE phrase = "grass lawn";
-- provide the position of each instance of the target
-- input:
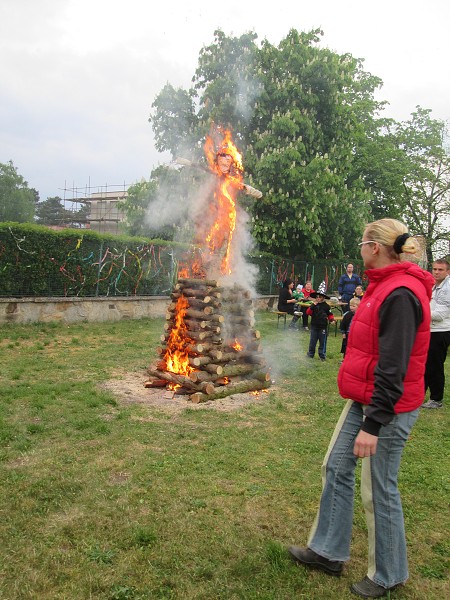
(106, 499)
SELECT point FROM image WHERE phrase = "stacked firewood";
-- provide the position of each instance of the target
(223, 348)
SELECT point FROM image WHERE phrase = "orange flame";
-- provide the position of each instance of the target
(227, 163)
(183, 271)
(176, 356)
(237, 346)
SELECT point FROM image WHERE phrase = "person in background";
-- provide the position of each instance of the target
(382, 380)
(321, 315)
(287, 302)
(358, 293)
(307, 290)
(440, 334)
(347, 321)
(298, 294)
(347, 284)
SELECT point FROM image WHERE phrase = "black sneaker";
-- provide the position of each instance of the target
(369, 589)
(311, 559)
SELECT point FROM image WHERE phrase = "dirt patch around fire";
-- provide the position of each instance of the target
(129, 389)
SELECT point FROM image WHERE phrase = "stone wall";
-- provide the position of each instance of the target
(75, 310)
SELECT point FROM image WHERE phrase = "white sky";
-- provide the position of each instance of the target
(78, 77)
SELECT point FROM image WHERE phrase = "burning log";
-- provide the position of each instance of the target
(219, 367)
(172, 377)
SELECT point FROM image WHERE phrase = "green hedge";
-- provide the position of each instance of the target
(38, 261)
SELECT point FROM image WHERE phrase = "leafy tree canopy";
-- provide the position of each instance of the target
(51, 212)
(311, 133)
(17, 200)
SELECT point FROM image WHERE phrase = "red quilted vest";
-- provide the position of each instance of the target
(356, 378)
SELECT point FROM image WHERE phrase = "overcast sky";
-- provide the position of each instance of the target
(78, 77)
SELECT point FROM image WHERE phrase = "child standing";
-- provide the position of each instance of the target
(321, 315)
(347, 321)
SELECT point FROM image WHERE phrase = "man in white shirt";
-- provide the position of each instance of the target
(440, 334)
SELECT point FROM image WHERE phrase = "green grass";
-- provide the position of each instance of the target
(101, 499)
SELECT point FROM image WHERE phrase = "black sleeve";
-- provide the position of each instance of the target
(400, 316)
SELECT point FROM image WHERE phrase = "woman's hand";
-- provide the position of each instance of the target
(365, 444)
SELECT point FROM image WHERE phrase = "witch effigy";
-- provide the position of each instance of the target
(214, 229)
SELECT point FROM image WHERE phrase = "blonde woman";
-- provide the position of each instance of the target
(382, 378)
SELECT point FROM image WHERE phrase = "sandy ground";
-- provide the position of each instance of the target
(129, 388)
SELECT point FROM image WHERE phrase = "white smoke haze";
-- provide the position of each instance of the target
(168, 208)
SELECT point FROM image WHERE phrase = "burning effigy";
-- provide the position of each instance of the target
(210, 348)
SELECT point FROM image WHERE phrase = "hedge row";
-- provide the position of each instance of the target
(38, 261)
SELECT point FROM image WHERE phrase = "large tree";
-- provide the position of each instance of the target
(299, 114)
(426, 182)
(306, 131)
(52, 212)
(17, 200)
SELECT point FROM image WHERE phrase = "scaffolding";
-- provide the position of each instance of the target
(101, 206)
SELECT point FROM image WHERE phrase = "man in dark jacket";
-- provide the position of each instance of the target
(347, 284)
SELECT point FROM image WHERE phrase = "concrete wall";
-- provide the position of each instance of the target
(75, 310)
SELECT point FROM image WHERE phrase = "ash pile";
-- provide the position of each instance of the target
(210, 348)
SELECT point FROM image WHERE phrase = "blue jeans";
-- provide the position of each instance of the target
(331, 533)
(318, 334)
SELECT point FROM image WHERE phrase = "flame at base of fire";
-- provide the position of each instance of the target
(176, 356)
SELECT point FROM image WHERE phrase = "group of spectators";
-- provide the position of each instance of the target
(396, 337)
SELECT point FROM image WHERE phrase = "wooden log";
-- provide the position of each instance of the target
(199, 361)
(186, 281)
(196, 293)
(207, 387)
(199, 348)
(195, 325)
(157, 383)
(214, 369)
(262, 376)
(215, 354)
(201, 335)
(249, 385)
(200, 376)
(217, 318)
(240, 369)
(216, 339)
(173, 378)
(201, 315)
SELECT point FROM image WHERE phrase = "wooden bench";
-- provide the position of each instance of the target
(281, 315)
(337, 320)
